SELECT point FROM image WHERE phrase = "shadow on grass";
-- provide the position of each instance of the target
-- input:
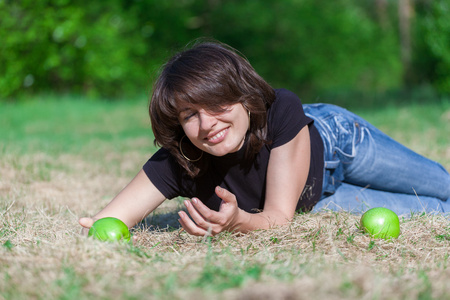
(167, 221)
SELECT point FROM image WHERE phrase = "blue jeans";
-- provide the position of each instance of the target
(365, 168)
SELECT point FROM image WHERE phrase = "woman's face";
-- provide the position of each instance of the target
(215, 133)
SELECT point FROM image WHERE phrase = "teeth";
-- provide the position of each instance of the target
(217, 136)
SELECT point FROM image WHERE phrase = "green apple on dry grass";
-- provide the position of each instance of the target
(110, 229)
(381, 222)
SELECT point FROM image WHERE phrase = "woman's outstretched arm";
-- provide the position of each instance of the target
(131, 205)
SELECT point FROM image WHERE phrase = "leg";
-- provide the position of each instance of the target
(357, 200)
(358, 153)
(384, 164)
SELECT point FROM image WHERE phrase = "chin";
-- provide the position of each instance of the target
(217, 152)
(221, 149)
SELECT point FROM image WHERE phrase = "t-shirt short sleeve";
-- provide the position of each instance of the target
(286, 118)
(164, 173)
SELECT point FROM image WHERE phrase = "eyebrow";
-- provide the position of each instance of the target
(184, 110)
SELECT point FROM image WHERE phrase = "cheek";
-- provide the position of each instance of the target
(244, 122)
(189, 130)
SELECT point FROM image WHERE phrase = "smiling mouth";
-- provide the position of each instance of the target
(218, 136)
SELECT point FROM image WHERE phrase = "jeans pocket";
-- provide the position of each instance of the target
(348, 136)
(344, 134)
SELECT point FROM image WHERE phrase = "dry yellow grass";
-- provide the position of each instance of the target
(318, 256)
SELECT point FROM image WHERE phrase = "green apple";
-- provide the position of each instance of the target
(381, 222)
(110, 229)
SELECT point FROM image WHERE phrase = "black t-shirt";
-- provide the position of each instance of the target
(247, 181)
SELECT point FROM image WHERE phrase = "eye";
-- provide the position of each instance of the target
(187, 114)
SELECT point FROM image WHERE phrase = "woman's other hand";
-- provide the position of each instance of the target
(209, 222)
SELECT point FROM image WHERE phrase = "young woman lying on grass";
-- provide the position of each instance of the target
(249, 156)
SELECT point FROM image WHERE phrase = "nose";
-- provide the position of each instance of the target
(207, 121)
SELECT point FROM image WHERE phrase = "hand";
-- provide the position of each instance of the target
(86, 223)
(210, 222)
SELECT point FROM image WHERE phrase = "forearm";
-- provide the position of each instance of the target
(134, 202)
(119, 208)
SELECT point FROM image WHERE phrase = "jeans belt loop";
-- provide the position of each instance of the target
(331, 164)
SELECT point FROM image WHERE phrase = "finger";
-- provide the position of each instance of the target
(225, 195)
(86, 222)
(208, 215)
(189, 226)
(201, 219)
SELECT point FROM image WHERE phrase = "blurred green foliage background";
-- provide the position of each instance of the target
(321, 49)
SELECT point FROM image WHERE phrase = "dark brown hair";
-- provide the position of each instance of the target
(211, 75)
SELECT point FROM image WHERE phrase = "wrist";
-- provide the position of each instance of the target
(239, 221)
(243, 222)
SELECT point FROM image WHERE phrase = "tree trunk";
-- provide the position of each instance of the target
(381, 9)
(405, 14)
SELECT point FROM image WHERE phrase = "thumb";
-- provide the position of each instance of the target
(225, 195)
(86, 222)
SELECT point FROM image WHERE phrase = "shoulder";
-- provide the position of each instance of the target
(284, 95)
(285, 117)
(162, 164)
(165, 173)
(286, 103)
